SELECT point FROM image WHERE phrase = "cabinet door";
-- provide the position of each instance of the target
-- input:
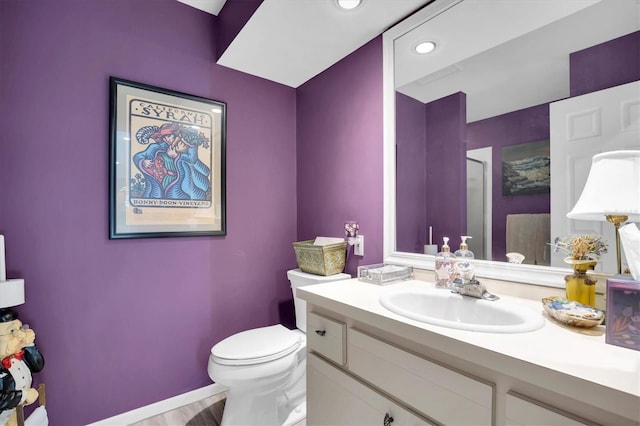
(526, 412)
(448, 397)
(326, 337)
(335, 398)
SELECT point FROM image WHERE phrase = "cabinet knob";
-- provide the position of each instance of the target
(387, 420)
(321, 332)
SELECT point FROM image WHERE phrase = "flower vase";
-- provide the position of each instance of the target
(579, 286)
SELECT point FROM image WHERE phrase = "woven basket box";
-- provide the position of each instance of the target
(320, 260)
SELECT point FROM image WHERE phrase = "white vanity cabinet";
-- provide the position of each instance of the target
(438, 392)
(336, 398)
(367, 366)
(337, 395)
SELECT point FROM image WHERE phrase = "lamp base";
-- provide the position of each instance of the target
(617, 220)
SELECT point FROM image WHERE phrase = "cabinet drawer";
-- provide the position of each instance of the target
(443, 395)
(326, 337)
(524, 411)
(335, 398)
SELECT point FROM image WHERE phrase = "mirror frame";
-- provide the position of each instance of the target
(523, 273)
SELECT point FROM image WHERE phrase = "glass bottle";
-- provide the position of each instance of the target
(445, 266)
(464, 261)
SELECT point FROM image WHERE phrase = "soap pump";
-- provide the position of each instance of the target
(464, 262)
(464, 251)
(445, 266)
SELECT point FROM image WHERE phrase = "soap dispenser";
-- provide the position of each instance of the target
(464, 251)
(464, 269)
(445, 266)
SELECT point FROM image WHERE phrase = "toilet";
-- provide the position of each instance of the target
(264, 368)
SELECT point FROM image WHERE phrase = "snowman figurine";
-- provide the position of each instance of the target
(19, 358)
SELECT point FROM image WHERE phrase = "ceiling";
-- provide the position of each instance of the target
(210, 6)
(528, 56)
(489, 49)
(291, 41)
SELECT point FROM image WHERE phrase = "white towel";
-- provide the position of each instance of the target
(529, 235)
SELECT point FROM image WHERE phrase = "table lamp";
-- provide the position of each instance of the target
(612, 192)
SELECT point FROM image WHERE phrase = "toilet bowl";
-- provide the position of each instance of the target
(264, 368)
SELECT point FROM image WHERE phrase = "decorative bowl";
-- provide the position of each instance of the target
(572, 313)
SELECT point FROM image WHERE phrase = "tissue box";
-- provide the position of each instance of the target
(623, 312)
(320, 260)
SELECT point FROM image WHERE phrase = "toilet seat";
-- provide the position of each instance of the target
(256, 346)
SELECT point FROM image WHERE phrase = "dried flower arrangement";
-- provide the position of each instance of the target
(581, 247)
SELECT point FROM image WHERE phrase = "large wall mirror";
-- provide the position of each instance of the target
(471, 128)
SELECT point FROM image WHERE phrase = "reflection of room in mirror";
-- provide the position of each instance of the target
(432, 137)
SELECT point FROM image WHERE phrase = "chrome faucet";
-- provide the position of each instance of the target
(467, 285)
(472, 288)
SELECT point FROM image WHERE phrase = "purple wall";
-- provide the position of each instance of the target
(126, 323)
(411, 220)
(446, 167)
(339, 151)
(526, 125)
(605, 65)
(431, 181)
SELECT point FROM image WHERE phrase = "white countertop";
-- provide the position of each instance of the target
(580, 356)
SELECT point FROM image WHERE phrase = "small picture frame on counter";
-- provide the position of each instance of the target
(623, 312)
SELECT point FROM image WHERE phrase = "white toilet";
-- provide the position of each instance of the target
(264, 368)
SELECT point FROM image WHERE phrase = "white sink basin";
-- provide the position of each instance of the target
(443, 308)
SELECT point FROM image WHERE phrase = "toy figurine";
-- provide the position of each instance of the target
(19, 358)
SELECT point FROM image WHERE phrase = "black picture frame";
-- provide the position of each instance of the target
(167, 162)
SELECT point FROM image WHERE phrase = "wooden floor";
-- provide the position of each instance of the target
(207, 412)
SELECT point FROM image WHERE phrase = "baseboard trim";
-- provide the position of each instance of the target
(160, 407)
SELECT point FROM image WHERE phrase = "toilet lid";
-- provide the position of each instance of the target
(255, 346)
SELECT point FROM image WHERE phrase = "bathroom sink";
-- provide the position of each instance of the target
(442, 308)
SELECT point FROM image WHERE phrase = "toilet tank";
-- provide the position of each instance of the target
(301, 279)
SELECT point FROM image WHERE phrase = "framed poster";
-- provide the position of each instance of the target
(167, 163)
(526, 169)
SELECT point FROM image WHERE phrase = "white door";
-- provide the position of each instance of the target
(606, 120)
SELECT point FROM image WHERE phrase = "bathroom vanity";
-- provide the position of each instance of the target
(367, 365)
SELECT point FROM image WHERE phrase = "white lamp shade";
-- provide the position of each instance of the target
(612, 188)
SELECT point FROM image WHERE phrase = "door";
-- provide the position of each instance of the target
(606, 120)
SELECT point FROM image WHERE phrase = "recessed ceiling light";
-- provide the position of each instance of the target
(349, 4)
(425, 47)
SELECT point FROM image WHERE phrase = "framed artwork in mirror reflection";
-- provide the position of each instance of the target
(167, 163)
(526, 168)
